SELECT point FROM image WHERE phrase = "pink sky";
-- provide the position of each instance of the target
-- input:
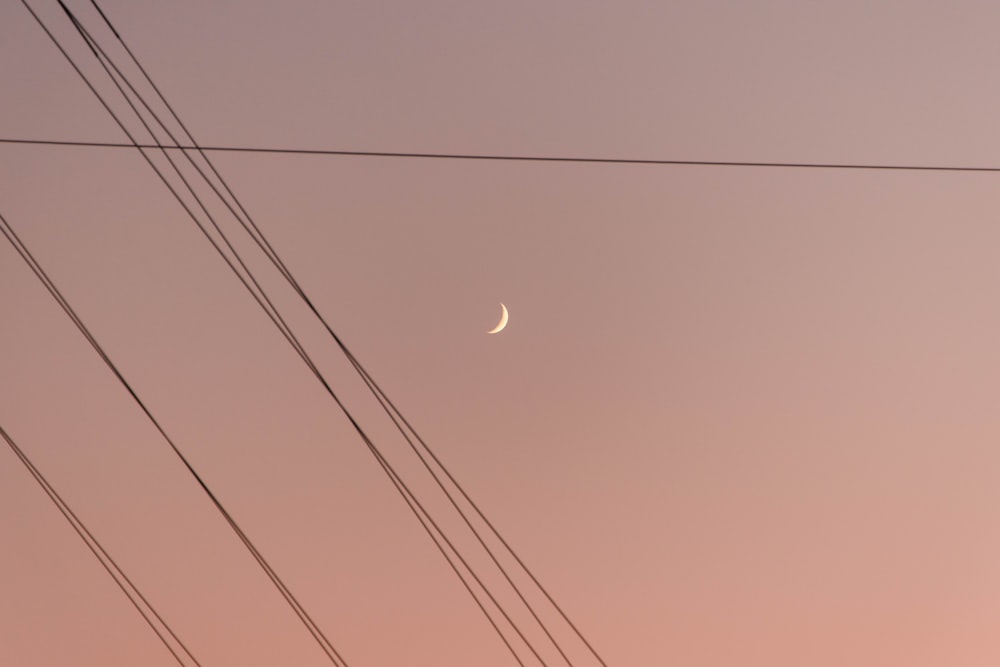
(739, 416)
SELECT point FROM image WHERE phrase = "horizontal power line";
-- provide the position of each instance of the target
(508, 158)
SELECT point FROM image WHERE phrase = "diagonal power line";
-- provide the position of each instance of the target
(257, 291)
(401, 423)
(153, 619)
(272, 313)
(18, 245)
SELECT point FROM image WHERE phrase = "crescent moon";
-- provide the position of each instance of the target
(503, 321)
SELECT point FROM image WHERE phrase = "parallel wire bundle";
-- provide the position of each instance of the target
(12, 237)
(177, 648)
(501, 618)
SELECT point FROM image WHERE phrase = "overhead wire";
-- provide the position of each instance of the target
(276, 319)
(254, 231)
(380, 395)
(14, 239)
(10, 234)
(500, 157)
(398, 419)
(313, 628)
(262, 242)
(261, 297)
(153, 619)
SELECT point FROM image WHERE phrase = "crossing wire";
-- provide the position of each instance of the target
(499, 157)
(412, 502)
(262, 299)
(326, 645)
(257, 235)
(395, 415)
(387, 405)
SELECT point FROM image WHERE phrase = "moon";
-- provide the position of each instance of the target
(503, 321)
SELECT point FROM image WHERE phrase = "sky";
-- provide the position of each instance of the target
(738, 415)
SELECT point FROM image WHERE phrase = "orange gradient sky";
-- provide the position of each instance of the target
(739, 416)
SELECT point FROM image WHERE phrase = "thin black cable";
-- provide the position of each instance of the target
(95, 48)
(397, 480)
(285, 330)
(430, 527)
(382, 398)
(289, 335)
(269, 251)
(11, 235)
(285, 592)
(131, 591)
(299, 610)
(380, 395)
(256, 290)
(105, 62)
(508, 158)
(100, 53)
(399, 421)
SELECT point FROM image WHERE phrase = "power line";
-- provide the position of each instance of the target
(395, 415)
(260, 296)
(427, 521)
(12, 237)
(325, 644)
(262, 299)
(131, 591)
(397, 418)
(399, 421)
(501, 158)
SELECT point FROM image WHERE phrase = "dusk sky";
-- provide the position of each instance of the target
(739, 416)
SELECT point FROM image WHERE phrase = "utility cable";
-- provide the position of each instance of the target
(395, 415)
(497, 157)
(11, 235)
(279, 323)
(277, 319)
(299, 610)
(254, 231)
(131, 591)
(257, 235)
